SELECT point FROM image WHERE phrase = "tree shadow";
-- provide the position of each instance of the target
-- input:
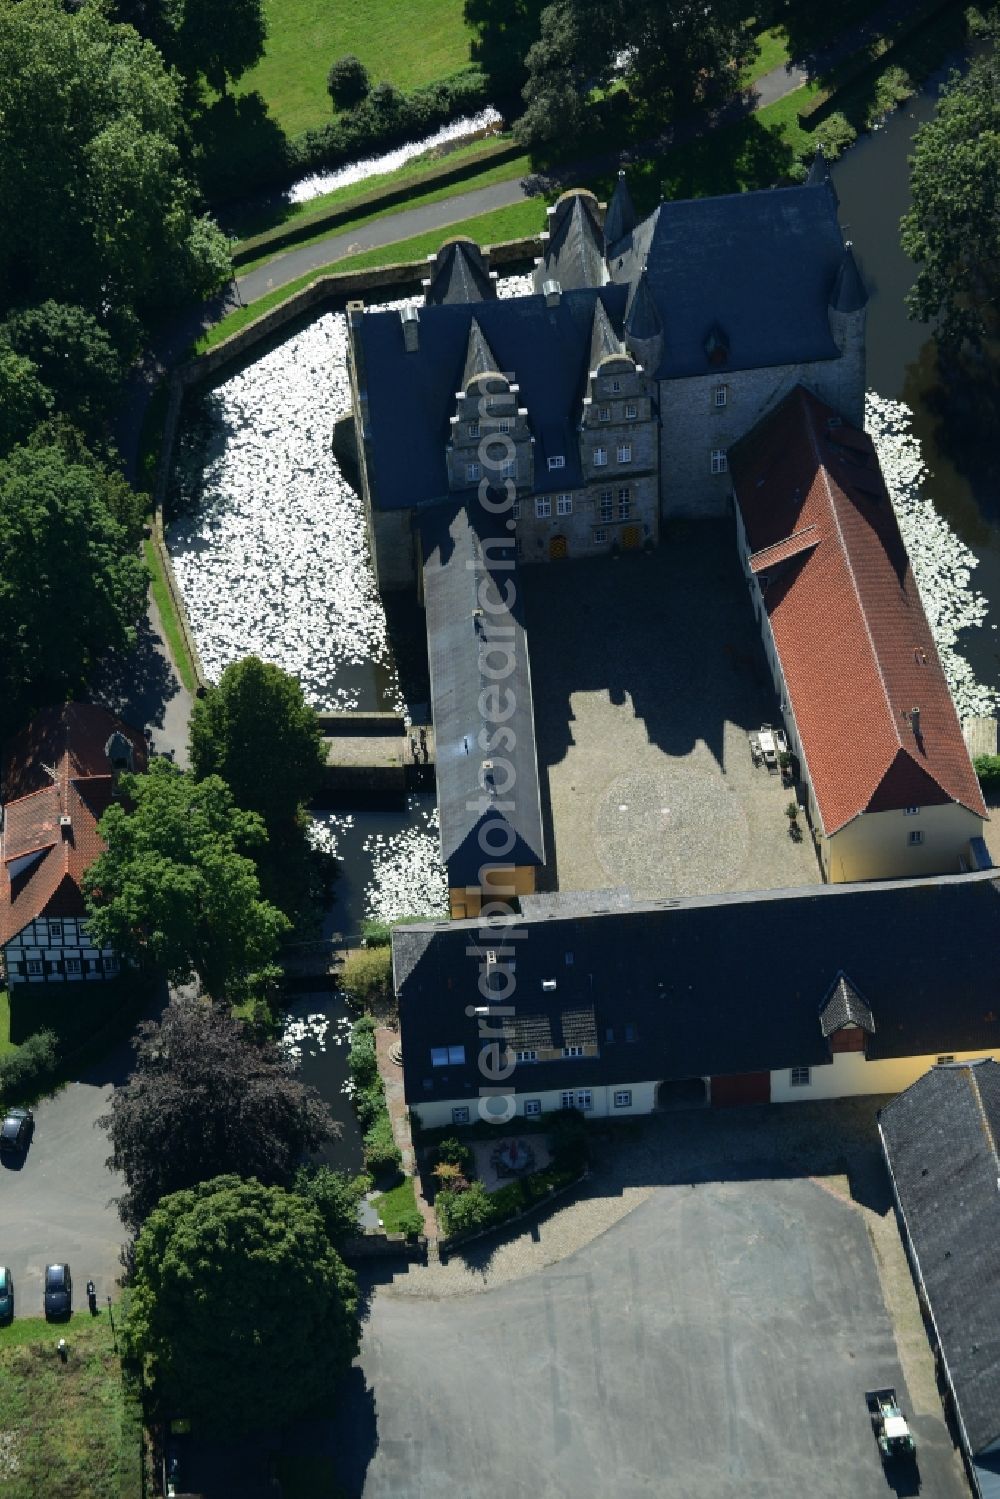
(136, 684)
(239, 149)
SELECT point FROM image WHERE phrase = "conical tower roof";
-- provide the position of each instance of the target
(848, 294)
(604, 341)
(620, 219)
(819, 174)
(642, 318)
(459, 274)
(479, 357)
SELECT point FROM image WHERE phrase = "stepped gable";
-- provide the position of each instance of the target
(459, 273)
(574, 244)
(61, 766)
(761, 265)
(849, 627)
(411, 393)
(620, 218)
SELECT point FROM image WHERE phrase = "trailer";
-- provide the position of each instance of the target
(892, 1433)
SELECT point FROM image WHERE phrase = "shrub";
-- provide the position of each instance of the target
(835, 135)
(348, 82)
(410, 1223)
(891, 89)
(382, 1154)
(455, 1153)
(26, 1071)
(477, 1209)
(987, 768)
(367, 974)
(568, 1127)
(369, 1103)
(363, 1061)
(450, 1177)
(464, 1212)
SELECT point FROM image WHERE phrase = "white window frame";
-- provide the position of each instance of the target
(721, 396)
(616, 386)
(529, 1054)
(624, 503)
(800, 1077)
(585, 1099)
(473, 472)
(557, 461)
(911, 811)
(914, 838)
(70, 968)
(507, 468)
(606, 506)
(945, 1059)
(460, 1114)
(719, 461)
(600, 457)
(623, 1098)
(532, 1107)
(564, 504)
(568, 1100)
(631, 411)
(600, 536)
(543, 507)
(473, 429)
(55, 931)
(572, 1051)
(34, 968)
(624, 452)
(604, 413)
(504, 425)
(515, 510)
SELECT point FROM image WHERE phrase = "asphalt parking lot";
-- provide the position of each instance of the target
(55, 1206)
(717, 1341)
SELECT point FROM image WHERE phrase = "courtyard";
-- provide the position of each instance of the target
(648, 674)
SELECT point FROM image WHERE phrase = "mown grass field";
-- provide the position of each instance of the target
(406, 42)
(395, 1204)
(60, 1424)
(5, 1042)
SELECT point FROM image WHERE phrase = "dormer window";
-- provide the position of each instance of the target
(616, 386)
(557, 462)
(721, 396)
(119, 752)
(447, 1056)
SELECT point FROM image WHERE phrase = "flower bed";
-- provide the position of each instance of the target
(382, 1154)
(463, 1214)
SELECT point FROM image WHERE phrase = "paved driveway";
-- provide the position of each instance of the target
(716, 1342)
(55, 1206)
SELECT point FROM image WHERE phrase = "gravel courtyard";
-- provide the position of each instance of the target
(647, 674)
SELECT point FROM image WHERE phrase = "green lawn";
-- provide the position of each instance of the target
(407, 42)
(5, 1042)
(518, 220)
(772, 52)
(393, 1204)
(64, 1422)
(168, 615)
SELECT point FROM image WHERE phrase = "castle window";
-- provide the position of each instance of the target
(543, 508)
(473, 429)
(507, 468)
(624, 452)
(564, 504)
(624, 504)
(604, 413)
(720, 463)
(606, 505)
(528, 1055)
(631, 412)
(473, 472)
(515, 510)
(600, 457)
(914, 838)
(616, 386)
(572, 1051)
(558, 462)
(600, 536)
(721, 395)
(504, 424)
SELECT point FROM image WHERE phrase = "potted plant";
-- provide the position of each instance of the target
(792, 813)
(785, 766)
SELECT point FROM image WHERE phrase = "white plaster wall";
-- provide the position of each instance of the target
(437, 1114)
(850, 1075)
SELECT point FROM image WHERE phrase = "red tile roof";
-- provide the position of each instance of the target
(56, 768)
(849, 627)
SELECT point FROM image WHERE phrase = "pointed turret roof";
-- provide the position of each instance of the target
(642, 317)
(574, 252)
(620, 218)
(603, 340)
(848, 294)
(459, 274)
(479, 357)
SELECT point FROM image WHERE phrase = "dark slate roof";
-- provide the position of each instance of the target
(479, 357)
(940, 1139)
(845, 1006)
(458, 274)
(716, 985)
(604, 340)
(848, 294)
(411, 396)
(761, 264)
(574, 251)
(620, 218)
(457, 572)
(642, 318)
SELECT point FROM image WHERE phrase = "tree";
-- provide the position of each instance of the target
(348, 82)
(206, 1097)
(952, 230)
(256, 731)
(568, 58)
(177, 888)
(221, 39)
(241, 1310)
(74, 360)
(504, 31)
(24, 400)
(335, 1196)
(71, 585)
(96, 209)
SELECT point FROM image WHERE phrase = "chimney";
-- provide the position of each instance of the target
(66, 825)
(552, 292)
(915, 722)
(410, 318)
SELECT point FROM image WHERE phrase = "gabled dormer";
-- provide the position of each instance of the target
(573, 243)
(490, 438)
(845, 1017)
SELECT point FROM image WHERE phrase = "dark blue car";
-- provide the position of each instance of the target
(58, 1298)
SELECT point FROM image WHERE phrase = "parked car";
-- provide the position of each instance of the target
(16, 1131)
(6, 1295)
(58, 1299)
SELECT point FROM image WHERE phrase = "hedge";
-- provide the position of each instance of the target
(26, 1072)
(381, 1153)
(476, 1209)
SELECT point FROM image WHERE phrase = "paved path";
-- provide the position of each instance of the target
(143, 687)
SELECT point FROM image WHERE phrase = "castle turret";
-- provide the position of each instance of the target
(644, 327)
(620, 219)
(847, 310)
(573, 243)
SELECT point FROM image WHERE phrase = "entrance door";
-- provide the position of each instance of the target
(557, 548)
(682, 1093)
(631, 537)
(744, 1087)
